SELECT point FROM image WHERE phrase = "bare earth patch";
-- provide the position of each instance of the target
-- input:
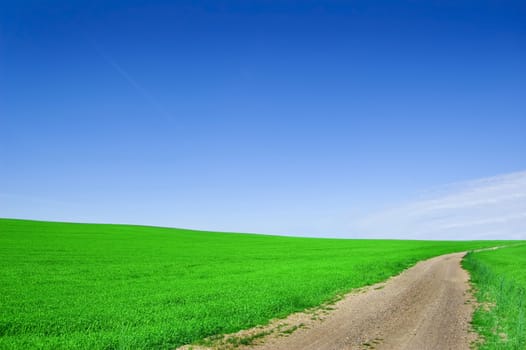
(428, 306)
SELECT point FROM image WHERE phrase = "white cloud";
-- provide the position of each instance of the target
(489, 208)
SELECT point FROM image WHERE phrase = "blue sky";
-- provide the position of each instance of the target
(292, 117)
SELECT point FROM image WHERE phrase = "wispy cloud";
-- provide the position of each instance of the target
(144, 93)
(486, 208)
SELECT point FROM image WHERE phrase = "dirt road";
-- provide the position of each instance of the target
(425, 307)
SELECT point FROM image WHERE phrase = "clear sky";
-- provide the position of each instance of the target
(293, 117)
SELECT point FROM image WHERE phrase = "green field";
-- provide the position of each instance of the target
(90, 286)
(499, 277)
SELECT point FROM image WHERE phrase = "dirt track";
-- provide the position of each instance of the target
(425, 307)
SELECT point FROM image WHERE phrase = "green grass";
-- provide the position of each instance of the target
(499, 277)
(87, 286)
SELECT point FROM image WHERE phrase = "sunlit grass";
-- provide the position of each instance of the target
(499, 277)
(85, 286)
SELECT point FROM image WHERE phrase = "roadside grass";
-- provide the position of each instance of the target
(499, 279)
(93, 286)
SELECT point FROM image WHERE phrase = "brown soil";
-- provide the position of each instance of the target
(428, 306)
